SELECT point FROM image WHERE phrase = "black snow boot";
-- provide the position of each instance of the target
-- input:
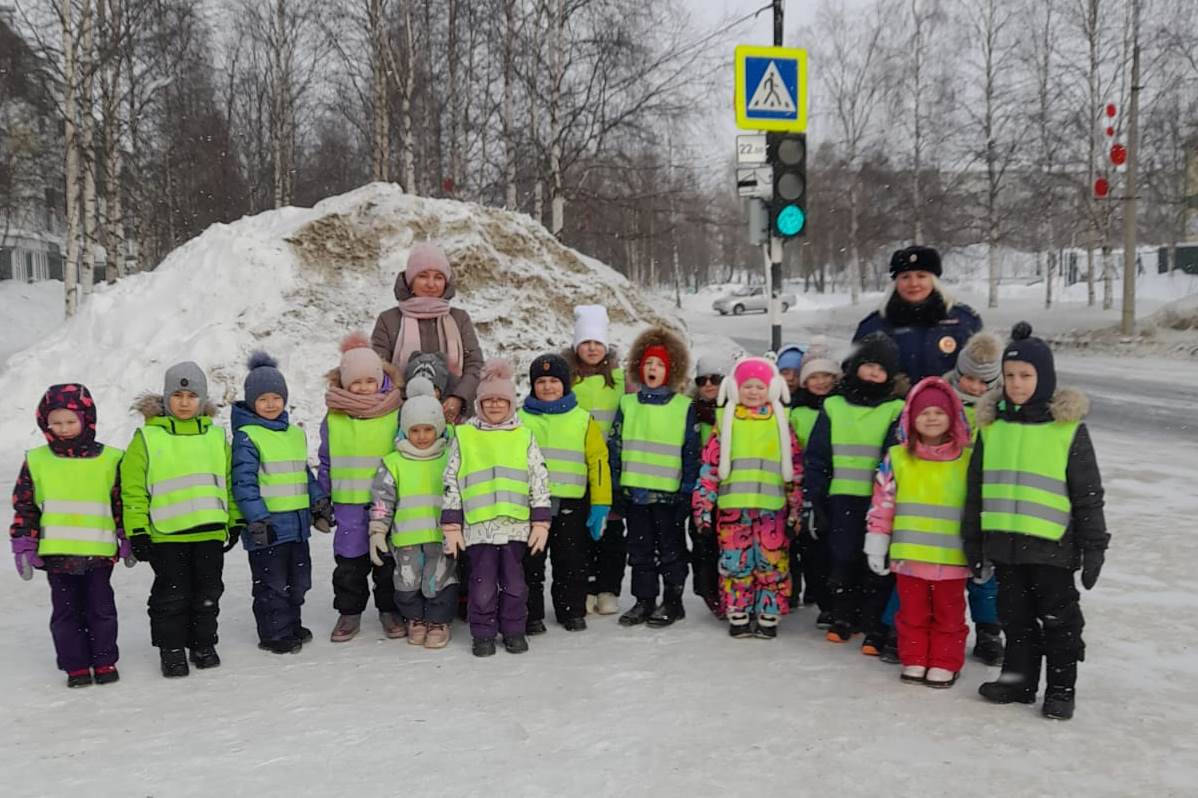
(639, 613)
(515, 644)
(483, 648)
(1058, 703)
(205, 657)
(824, 620)
(671, 609)
(107, 675)
(575, 624)
(1008, 691)
(81, 678)
(532, 627)
(740, 625)
(287, 645)
(890, 652)
(766, 627)
(174, 662)
(988, 646)
(303, 634)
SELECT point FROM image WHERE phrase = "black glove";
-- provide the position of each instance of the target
(1092, 560)
(261, 533)
(139, 543)
(234, 536)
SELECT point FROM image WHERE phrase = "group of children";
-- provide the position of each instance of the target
(796, 475)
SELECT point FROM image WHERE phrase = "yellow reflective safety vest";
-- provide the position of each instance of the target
(186, 479)
(600, 400)
(755, 479)
(653, 437)
(356, 447)
(74, 495)
(419, 487)
(282, 467)
(858, 435)
(1023, 478)
(929, 501)
(493, 473)
(802, 421)
(562, 438)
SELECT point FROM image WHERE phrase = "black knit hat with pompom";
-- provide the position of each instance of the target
(1026, 348)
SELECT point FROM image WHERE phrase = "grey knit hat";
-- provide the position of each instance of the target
(185, 376)
(421, 407)
(264, 377)
(431, 366)
(981, 358)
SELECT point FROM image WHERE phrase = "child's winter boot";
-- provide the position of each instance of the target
(671, 609)
(639, 613)
(534, 627)
(739, 626)
(890, 653)
(205, 657)
(79, 678)
(107, 674)
(606, 604)
(515, 644)
(417, 633)
(174, 662)
(1058, 703)
(346, 628)
(393, 625)
(438, 635)
(824, 619)
(483, 648)
(913, 674)
(940, 678)
(303, 634)
(591, 603)
(1008, 690)
(286, 645)
(988, 646)
(767, 627)
(575, 624)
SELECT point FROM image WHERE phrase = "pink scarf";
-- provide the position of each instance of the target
(449, 336)
(358, 406)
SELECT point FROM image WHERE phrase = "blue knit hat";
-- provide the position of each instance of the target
(264, 377)
(791, 357)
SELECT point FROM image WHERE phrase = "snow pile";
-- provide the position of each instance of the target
(31, 310)
(293, 281)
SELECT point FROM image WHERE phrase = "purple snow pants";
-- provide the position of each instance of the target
(83, 619)
(498, 594)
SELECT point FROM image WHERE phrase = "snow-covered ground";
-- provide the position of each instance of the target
(610, 711)
(28, 311)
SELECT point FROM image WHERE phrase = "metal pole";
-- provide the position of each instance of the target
(1128, 326)
(774, 252)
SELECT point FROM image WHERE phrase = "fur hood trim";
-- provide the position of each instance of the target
(333, 375)
(1068, 404)
(939, 287)
(150, 405)
(680, 360)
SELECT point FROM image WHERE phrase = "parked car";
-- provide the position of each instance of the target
(749, 297)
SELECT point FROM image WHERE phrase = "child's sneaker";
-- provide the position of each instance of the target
(393, 625)
(174, 662)
(607, 604)
(515, 644)
(532, 627)
(639, 613)
(107, 674)
(940, 678)
(287, 645)
(766, 627)
(80, 678)
(839, 633)
(739, 626)
(346, 628)
(205, 657)
(913, 674)
(1058, 703)
(575, 624)
(437, 636)
(483, 648)
(417, 633)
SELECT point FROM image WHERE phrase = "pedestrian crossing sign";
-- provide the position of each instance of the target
(771, 88)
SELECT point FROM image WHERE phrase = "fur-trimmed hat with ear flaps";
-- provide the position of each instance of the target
(679, 359)
(764, 369)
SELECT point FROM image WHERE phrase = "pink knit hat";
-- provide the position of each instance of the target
(426, 257)
(496, 383)
(754, 368)
(359, 361)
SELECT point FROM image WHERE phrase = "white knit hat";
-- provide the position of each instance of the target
(779, 397)
(711, 364)
(421, 407)
(590, 324)
(817, 360)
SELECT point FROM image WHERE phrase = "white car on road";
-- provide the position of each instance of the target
(749, 297)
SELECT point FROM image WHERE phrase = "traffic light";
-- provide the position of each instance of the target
(787, 154)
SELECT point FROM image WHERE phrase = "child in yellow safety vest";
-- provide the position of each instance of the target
(405, 519)
(599, 382)
(580, 484)
(654, 450)
(497, 507)
(67, 522)
(705, 549)
(363, 398)
(748, 489)
(1034, 512)
(180, 515)
(280, 499)
(915, 519)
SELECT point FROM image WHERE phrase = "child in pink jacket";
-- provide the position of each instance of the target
(915, 518)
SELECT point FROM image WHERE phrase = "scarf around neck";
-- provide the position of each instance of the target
(449, 335)
(355, 405)
(405, 447)
(564, 405)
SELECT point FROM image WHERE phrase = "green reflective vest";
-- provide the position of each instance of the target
(594, 396)
(419, 486)
(74, 495)
(928, 506)
(802, 421)
(755, 479)
(1023, 478)
(858, 434)
(562, 438)
(282, 467)
(493, 474)
(185, 477)
(356, 447)
(705, 432)
(653, 437)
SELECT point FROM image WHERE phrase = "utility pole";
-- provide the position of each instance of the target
(1128, 326)
(774, 248)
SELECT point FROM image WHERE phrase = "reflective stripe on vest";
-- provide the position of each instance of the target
(653, 437)
(858, 434)
(185, 477)
(928, 506)
(356, 447)
(755, 480)
(75, 498)
(493, 474)
(562, 438)
(600, 400)
(802, 421)
(282, 467)
(419, 486)
(1023, 478)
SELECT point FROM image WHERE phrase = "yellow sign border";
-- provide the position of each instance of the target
(799, 55)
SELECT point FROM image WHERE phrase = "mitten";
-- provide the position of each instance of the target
(454, 542)
(322, 513)
(26, 561)
(378, 547)
(234, 536)
(124, 552)
(597, 520)
(1092, 560)
(321, 525)
(876, 548)
(538, 537)
(261, 533)
(141, 545)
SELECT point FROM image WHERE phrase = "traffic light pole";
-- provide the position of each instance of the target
(773, 251)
